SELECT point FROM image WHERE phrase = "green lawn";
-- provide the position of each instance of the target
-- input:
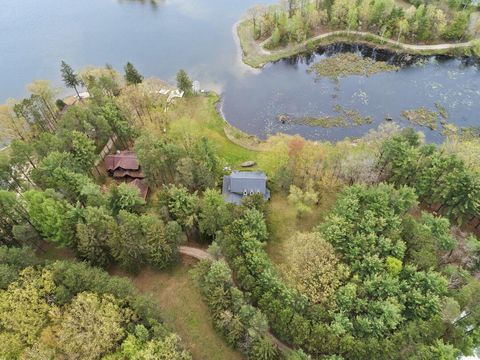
(184, 311)
(198, 116)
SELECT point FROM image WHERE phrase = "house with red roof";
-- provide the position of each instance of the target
(124, 165)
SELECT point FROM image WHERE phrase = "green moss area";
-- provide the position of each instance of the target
(346, 118)
(345, 64)
(422, 116)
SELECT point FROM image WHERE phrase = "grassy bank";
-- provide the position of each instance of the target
(198, 117)
(256, 56)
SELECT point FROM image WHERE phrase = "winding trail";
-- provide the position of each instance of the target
(200, 254)
(445, 46)
(256, 55)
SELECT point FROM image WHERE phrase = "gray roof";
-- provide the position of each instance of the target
(242, 183)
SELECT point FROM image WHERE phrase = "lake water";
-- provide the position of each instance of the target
(197, 35)
(254, 103)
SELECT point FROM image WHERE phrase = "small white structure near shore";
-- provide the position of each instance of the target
(196, 87)
(175, 94)
(83, 95)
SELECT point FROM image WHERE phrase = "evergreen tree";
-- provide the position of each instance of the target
(69, 77)
(132, 76)
(93, 234)
(128, 243)
(82, 150)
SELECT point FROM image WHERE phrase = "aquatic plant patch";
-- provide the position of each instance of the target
(441, 110)
(345, 64)
(346, 118)
(322, 121)
(422, 116)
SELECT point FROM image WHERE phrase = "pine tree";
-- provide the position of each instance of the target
(69, 77)
(184, 83)
(132, 76)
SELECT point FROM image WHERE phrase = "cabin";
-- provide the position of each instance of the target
(244, 183)
(124, 166)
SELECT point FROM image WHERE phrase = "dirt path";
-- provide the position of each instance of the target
(404, 46)
(196, 253)
(203, 255)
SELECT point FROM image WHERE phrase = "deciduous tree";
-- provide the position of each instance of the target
(184, 83)
(90, 327)
(213, 214)
(124, 197)
(313, 268)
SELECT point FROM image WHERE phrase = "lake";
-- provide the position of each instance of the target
(197, 35)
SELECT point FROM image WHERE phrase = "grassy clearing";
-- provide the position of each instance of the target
(184, 311)
(251, 51)
(283, 223)
(198, 117)
(242, 139)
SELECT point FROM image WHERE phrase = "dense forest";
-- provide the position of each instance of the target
(387, 267)
(294, 21)
(69, 310)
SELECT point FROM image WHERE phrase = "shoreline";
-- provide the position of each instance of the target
(256, 56)
(234, 134)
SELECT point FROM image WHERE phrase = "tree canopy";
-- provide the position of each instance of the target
(45, 313)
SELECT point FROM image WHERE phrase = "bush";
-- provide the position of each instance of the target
(60, 104)
(456, 30)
